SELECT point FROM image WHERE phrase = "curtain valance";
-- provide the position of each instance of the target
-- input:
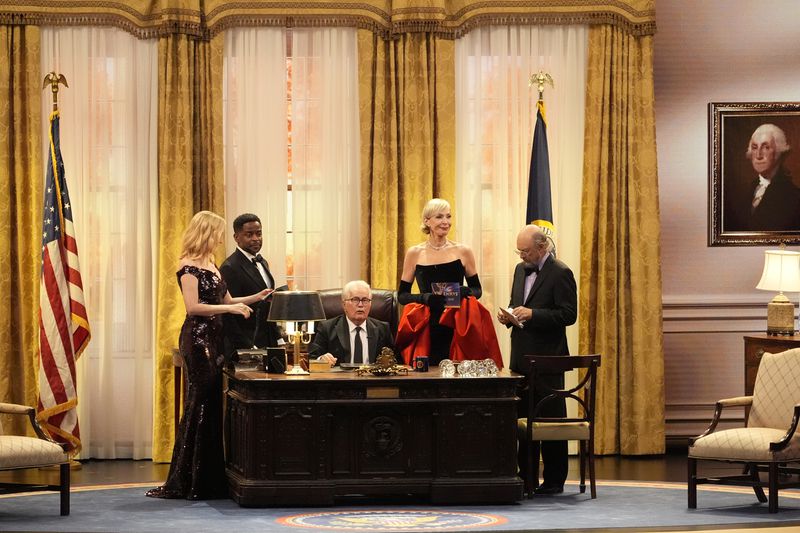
(443, 18)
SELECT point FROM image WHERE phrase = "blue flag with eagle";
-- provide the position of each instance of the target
(540, 207)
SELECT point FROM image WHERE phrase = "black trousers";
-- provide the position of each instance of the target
(554, 453)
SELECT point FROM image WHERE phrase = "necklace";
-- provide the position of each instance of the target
(437, 248)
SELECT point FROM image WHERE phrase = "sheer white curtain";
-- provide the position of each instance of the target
(313, 117)
(255, 139)
(108, 142)
(325, 157)
(495, 116)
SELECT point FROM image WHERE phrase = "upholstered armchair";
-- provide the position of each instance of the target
(769, 442)
(19, 452)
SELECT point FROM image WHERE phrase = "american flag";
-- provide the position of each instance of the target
(63, 323)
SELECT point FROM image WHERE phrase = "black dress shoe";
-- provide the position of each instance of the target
(545, 490)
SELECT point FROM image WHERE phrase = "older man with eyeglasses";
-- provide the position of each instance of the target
(353, 337)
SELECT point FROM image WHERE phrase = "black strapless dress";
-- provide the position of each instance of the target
(197, 470)
(441, 336)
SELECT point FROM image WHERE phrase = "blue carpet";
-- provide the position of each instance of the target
(619, 504)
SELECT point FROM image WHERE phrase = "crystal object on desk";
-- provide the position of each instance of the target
(468, 369)
(447, 368)
(490, 366)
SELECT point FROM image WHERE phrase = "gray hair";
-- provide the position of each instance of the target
(778, 137)
(351, 286)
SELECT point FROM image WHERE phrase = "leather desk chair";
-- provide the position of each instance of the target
(384, 305)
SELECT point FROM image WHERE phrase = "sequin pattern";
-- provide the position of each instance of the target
(197, 470)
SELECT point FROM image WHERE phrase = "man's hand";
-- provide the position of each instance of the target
(328, 358)
(502, 318)
(522, 313)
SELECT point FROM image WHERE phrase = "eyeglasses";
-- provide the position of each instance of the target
(522, 252)
(356, 301)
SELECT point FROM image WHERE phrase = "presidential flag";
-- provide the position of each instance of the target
(63, 323)
(540, 208)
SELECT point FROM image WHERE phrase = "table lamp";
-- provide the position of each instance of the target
(294, 307)
(781, 273)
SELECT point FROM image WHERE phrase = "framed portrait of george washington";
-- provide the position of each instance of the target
(754, 173)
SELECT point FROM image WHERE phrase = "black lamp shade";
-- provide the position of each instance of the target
(296, 306)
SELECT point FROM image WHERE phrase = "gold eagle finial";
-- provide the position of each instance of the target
(53, 80)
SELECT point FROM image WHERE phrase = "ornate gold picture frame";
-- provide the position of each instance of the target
(754, 183)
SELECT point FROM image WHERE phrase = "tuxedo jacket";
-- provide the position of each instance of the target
(779, 209)
(243, 279)
(554, 301)
(333, 336)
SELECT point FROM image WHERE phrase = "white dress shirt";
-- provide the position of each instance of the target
(364, 346)
(259, 266)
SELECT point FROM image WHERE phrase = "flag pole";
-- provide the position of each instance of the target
(540, 209)
(54, 79)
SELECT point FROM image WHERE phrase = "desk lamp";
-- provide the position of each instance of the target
(781, 273)
(294, 307)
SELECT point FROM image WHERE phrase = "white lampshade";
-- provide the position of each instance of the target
(781, 271)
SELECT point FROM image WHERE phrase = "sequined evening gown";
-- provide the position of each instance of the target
(441, 336)
(197, 470)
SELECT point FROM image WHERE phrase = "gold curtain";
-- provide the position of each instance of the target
(620, 282)
(407, 114)
(190, 169)
(21, 179)
(442, 18)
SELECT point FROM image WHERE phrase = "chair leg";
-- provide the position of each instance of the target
(582, 453)
(592, 479)
(773, 487)
(692, 480)
(535, 457)
(752, 468)
(64, 489)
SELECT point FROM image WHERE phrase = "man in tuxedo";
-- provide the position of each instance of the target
(246, 272)
(770, 201)
(544, 298)
(353, 337)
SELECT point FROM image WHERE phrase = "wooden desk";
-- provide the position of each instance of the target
(754, 348)
(306, 440)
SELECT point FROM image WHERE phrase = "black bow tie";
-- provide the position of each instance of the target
(257, 259)
(530, 270)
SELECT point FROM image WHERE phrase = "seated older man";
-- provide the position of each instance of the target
(353, 337)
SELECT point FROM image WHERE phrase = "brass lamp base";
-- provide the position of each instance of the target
(780, 316)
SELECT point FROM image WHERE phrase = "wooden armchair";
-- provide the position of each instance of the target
(19, 452)
(538, 428)
(769, 442)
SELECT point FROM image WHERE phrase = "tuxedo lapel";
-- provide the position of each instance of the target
(250, 270)
(518, 287)
(343, 334)
(372, 341)
(540, 278)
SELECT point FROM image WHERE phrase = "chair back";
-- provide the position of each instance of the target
(776, 391)
(384, 305)
(584, 393)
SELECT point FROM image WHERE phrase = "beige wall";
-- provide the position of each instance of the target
(711, 51)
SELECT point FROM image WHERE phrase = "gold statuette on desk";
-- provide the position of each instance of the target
(385, 365)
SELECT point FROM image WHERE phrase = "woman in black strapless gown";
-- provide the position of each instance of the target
(437, 259)
(197, 470)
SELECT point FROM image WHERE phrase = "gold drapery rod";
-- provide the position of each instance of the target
(53, 80)
(540, 79)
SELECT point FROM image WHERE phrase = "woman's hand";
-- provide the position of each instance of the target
(263, 295)
(240, 309)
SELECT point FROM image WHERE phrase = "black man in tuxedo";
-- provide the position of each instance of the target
(246, 272)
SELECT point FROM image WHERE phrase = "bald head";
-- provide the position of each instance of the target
(532, 244)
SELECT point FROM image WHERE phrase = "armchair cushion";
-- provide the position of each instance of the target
(29, 452)
(775, 393)
(554, 430)
(746, 445)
